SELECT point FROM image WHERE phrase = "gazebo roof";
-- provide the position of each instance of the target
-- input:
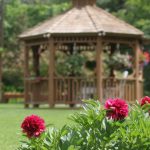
(84, 18)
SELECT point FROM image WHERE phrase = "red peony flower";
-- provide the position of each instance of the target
(145, 100)
(117, 109)
(33, 126)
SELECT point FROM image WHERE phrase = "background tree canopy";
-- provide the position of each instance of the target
(22, 14)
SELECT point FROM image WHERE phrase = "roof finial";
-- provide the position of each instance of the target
(82, 3)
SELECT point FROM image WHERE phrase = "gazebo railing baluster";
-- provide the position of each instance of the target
(82, 88)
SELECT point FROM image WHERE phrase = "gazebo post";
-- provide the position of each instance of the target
(36, 60)
(137, 86)
(51, 73)
(25, 48)
(36, 67)
(99, 74)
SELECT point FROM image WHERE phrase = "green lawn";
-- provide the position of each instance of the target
(11, 116)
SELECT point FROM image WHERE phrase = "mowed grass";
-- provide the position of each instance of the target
(11, 116)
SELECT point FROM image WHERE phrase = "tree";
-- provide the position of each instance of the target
(1, 43)
(137, 13)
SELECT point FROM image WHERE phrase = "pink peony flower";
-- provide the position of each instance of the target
(117, 109)
(145, 100)
(33, 126)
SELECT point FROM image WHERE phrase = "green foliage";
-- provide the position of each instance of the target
(13, 80)
(15, 10)
(72, 64)
(147, 79)
(20, 15)
(1, 50)
(93, 131)
(137, 13)
(134, 134)
(112, 6)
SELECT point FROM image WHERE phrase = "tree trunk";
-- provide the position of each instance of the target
(1, 44)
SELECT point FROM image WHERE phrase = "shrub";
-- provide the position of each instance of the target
(13, 81)
(94, 129)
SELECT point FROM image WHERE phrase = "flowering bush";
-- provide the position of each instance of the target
(33, 126)
(145, 100)
(119, 61)
(145, 103)
(96, 128)
(144, 58)
(117, 109)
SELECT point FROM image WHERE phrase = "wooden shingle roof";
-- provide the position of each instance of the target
(81, 19)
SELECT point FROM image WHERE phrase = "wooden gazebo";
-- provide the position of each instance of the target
(84, 26)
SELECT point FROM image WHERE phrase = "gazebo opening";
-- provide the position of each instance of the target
(81, 54)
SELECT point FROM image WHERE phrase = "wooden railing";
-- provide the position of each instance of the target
(141, 85)
(37, 89)
(71, 90)
(122, 88)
